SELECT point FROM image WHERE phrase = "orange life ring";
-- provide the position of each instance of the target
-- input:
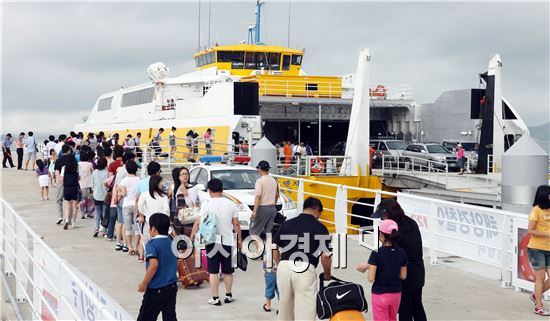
(525, 267)
(317, 166)
(379, 91)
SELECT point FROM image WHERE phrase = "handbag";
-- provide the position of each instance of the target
(339, 296)
(207, 228)
(242, 261)
(188, 215)
(109, 194)
(105, 218)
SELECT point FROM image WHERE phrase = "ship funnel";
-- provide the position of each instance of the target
(357, 144)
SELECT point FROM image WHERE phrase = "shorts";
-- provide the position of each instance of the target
(130, 223)
(44, 180)
(30, 155)
(195, 150)
(70, 193)
(218, 259)
(540, 259)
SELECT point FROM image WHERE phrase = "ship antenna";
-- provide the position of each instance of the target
(257, 34)
(199, 35)
(288, 37)
(209, 14)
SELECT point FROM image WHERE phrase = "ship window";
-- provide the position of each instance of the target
(138, 97)
(297, 60)
(236, 58)
(209, 58)
(201, 60)
(311, 87)
(255, 60)
(104, 104)
(286, 62)
(197, 61)
(274, 60)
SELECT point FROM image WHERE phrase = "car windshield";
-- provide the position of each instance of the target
(396, 145)
(437, 149)
(237, 179)
(469, 147)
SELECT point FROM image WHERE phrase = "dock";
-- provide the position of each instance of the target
(455, 289)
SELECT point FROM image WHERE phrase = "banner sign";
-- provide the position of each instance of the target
(460, 229)
(64, 296)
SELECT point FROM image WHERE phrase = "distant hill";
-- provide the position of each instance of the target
(542, 135)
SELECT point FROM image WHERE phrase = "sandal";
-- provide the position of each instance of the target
(124, 248)
(266, 309)
(132, 252)
(540, 311)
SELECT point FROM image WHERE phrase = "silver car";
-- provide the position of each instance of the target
(390, 149)
(421, 154)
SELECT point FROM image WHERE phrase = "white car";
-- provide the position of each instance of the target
(238, 186)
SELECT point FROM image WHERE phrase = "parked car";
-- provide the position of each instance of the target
(421, 154)
(238, 186)
(470, 150)
(390, 149)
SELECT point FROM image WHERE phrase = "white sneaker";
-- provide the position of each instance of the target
(72, 225)
(215, 302)
(228, 299)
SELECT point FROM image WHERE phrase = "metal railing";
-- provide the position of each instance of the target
(47, 284)
(415, 165)
(307, 88)
(476, 233)
(315, 166)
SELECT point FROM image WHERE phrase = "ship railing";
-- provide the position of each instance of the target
(299, 88)
(46, 286)
(476, 233)
(413, 165)
(315, 166)
(392, 92)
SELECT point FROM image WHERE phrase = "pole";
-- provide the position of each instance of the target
(209, 14)
(199, 32)
(299, 130)
(288, 36)
(319, 130)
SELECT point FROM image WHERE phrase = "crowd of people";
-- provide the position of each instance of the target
(96, 177)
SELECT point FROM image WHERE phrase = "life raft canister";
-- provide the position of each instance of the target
(317, 165)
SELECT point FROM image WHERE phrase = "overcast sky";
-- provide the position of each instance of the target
(58, 57)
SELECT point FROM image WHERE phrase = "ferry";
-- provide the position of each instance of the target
(245, 91)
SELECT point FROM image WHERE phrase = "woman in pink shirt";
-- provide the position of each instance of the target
(460, 158)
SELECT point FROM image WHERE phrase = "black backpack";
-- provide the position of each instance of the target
(339, 296)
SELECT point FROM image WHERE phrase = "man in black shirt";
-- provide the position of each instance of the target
(59, 163)
(301, 241)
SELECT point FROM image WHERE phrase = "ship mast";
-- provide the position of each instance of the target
(254, 34)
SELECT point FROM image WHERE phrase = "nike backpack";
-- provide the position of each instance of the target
(339, 295)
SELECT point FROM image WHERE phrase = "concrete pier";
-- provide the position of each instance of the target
(455, 289)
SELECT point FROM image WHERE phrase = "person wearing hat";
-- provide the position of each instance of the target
(410, 240)
(387, 268)
(266, 193)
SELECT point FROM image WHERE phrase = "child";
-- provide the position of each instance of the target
(159, 283)
(51, 167)
(270, 276)
(172, 142)
(45, 152)
(43, 179)
(99, 191)
(387, 268)
(128, 190)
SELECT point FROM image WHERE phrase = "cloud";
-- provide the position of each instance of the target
(59, 57)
